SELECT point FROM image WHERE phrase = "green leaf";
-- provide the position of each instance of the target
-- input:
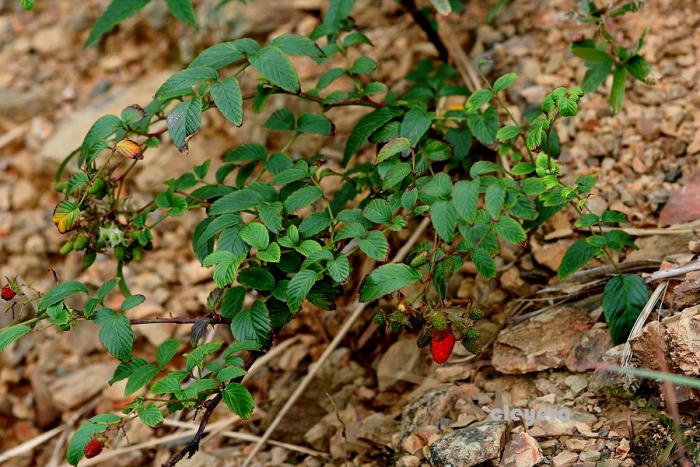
(638, 68)
(587, 51)
(523, 168)
(614, 216)
(60, 292)
(414, 125)
(274, 65)
(395, 174)
(587, 220)
(577, 256)
(339, 268)
(246, 152)
(510, 230)
(483, 167)
(508, 132)
(227, 264)
(230, 372)
(140, 377)
(484, 263)
(257, 278)
(302, 197)
(228, 99)
(329, 76)
(232, 301)
(624, 297)
(363, 66)
(184, 120)
(252, 324)
(393, 147)
(116, 12)
(235, 202)
(255, 234)
(12, 333)
(181, 83)
(595, 75)
(101, 129)
(166, 351)
(281, 120)
(115, 333)
(316, 124)
(183, 10)
(294, 44)
(132, 301)
(85, 433)
(378, 211)
(495, 198)
(314, 223)
(504, 81)
(387, 279)
(270, 215)
(169, 384)
(224, 53)
(444, 216)
(299, 287)
(150, 415)
(479, 98)
(375, 245)
(271, 254)
(465, 197)
(364, 128)
(238, 399)
(617, 91)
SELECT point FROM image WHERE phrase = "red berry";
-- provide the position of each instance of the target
(92, 449)
(441, 346)
(7, 293)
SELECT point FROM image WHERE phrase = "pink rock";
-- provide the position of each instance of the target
(684, 204)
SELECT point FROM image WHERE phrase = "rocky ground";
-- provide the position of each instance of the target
(379, 401)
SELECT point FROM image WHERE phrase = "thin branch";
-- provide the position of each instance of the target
(193, 446)
(347, 325)
(212, 320)
(433, 36)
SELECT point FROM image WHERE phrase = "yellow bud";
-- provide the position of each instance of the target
(129, 148)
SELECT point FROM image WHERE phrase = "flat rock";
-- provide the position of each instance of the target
(81, 385)
(521, 451)
(541, 343)
(683, 341)
(70, 132)
(564, 459)
(588, 352)
(431, 406)
(469, 446)
(684, 204)
(398, 363)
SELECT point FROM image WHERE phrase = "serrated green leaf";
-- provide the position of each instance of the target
(495, 198)
(228, 99)
(11, 334)
(577, 256)
(302, 197)
(364, 128)
(387, 279)
(617, 91)
(393, 147)
(375, 245)
(444, 217)
(465, 197)
(484, 263)
(140, 377)
(339, 268)
(316, 124)
(614, 216)
(271, 254)
(181, 83)
(378, 211)
(414, 125)
(235, 202)
(60, 292)
(255, 235)
(624, 297)
(508, 132)
(253, 324)
(274, 65)
(477, 99)
(281, 120)
(166, 351)
(85, 433)
(183, 10)
(238, 399)
(150, 415)
(294, 44)
(638, 67)
(504, 81)
(132, 301)
(299, 287)
(115, 333)
(184, 120)
(510, 230)
(116, 12)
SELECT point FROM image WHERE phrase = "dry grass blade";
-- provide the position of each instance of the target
(29, 445)
(641, 319)
(347, 325)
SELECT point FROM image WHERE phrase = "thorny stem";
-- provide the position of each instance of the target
(212, 320)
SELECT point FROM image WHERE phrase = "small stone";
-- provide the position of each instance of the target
(408, 461)
(589, 456)
(521, 451)
(412, 443)
(564, 459)
(469, 446)
(24, 195)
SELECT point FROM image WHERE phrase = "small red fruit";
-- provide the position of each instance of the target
(441, 346)
(7, 293)
(92, 449)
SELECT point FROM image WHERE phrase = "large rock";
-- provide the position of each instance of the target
(683, 341)
(432, 406)
(70, 132)
(683, 204)
(469, 446)
(543, 342)
(398, 364)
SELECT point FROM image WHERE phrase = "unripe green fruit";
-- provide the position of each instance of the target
(420, 259)
(379, 319)
(424, 338)
(80, 242)
(97, 186)
(66, 248)
(439, 321)
(61, 186)
(476, 314)
(137, 253)
(88, 259)
(119, 252)
(471, 335)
